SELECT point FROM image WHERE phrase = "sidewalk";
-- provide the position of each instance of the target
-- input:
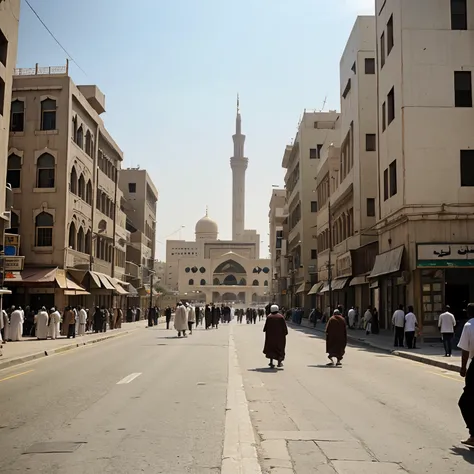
(429, 353)
(15, 353)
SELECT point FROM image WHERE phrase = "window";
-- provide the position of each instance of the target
(255, 283)
(391, 106)
(88, 242)
(48, 114)
(314, 206)
(382, 51)
(80, 240)
(89, 193)
(390, 35)
(463, 89)
(370, 142)
(385, 185)
(132, 187)
(313, 153)
(80, 137)
(73, 181)
(45, 171)
(81, 187)
(89, 143)
(319, 147)
(17, 117)
(459, 14)
(191, 282)
(369, 65)
(74, 128)
(467, 167)
(14, 171)
(14, 223)
(3, 49)
(265, 283)
(347, 89)
(2, 95)
(203, 282)
(44, 230)
(314, 254)
(72, 236)
(393, 178)
(384, 115)
(370, 207)
(354, 68)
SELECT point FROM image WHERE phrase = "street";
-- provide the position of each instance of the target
(150, 402)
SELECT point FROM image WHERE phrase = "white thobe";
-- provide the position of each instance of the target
(351, 315)
(82, 322)
(191, 314)
(55, 320)
(16, 325)
(76, 318)
(181, 319)
(42, 320)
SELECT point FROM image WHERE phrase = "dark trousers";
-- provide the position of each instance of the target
(448, 342)
(168, 320)
(466, 402)
(409, 336)
(399, 336)
(71, 330)
(190, 326)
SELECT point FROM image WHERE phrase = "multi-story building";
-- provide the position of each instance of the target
(139, 204)
(9, 14)
(302, 161)
(63, 167)
(347, 180)
(426, 158)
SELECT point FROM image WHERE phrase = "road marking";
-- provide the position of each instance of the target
(240, 453)
(458, 379)
(16, 375)
(129, 378)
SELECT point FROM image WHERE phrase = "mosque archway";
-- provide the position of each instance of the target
(230, 280)
(230, 266)
(229, 297)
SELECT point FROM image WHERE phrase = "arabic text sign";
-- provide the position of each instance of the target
(445, 255)
(12, 264)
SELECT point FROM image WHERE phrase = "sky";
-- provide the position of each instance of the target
(171, 70)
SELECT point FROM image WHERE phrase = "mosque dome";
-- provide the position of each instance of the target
(206, 226)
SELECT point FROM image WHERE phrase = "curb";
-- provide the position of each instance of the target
(404, 355)
(39, 355)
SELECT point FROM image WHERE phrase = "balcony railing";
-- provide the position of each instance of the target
(40, 71)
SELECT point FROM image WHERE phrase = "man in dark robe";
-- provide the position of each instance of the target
(98, 320)
(208, 316)
(168, 314)
(216, 316)
(336, 337)
(275, 330)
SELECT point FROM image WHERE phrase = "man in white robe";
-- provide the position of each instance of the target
(41, 321)
(191, 314)
(16, 325)
(181, 319)
(54, 323)
(82, 317)
(4, 326)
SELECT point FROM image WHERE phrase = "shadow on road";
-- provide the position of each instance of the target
(265, 370)
(325, 366)
(466, 453)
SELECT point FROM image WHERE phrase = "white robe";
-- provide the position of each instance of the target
(76, 318)
(42, 320)
(55, 320)
(191, 314)
(181, 319)
(82, 322)
(16, 325)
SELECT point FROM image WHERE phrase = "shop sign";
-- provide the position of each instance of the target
(13, 264)
(344, 265)
(445, 255)
(12, 239)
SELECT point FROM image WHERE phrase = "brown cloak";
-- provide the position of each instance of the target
(336, 336)
(67, 320)
(275, 337)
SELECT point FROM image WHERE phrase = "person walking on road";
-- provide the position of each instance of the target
(191, 315)
(336, 338)
(168, 313)
(466, 402)
(54, 323)
(398, 322)
(181, 320)
(16, 325)
(42, 321)
(351, 317)
(411, 323)
(446, 323)
(82, 316)
(275, 330)
(368, 316)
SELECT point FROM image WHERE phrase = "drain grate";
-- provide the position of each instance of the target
(53, 447)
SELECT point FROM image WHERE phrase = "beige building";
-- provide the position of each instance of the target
(9, 14)
(426, 158)
(63, 167)
(302, 162)
(347, 181)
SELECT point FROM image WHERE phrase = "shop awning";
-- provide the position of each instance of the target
(76, 292)
(337, 284)
(359, 280)
(118, 287)
(315, 288)
(301, 288)
(132, 291)
(35, 276)
(67, 284)
(106, 283)
(388, 262)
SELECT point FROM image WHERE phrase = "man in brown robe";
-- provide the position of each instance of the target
(69, 323)
(275, 330)
(336, 337)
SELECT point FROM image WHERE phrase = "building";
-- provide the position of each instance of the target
(63, 167)
(302, 162)
(425, 159)
(9, 14)
(212, 270)
(139, 204)
(346, 184)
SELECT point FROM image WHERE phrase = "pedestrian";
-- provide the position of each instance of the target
(16, 325)
(191, 315)
(411, 323)
(398, 322)
(42, 322)
(336, 337)
(4, 326)
(466, 402)
(275, 330)
(197, 311)
(151, 316)
(446, 323)
(351, 316)
(54, 323)
(82, 316)
(181, 320)
(168, 314)
(69, 323)
(368, 316)
(208, 316)
(216, 316)
(98, 320)
(375, 321)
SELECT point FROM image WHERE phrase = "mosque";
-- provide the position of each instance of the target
(212, 270)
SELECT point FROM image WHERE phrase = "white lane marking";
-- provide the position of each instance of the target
(240, 454)
(129, 378)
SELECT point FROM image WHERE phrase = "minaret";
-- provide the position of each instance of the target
(238, 163)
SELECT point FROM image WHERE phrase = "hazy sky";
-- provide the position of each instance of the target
(171, 69)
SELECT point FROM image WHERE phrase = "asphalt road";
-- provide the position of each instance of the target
(377, 414)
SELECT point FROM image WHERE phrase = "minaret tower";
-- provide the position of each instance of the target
(239, 164)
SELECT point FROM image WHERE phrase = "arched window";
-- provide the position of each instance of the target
(17, 116)
(203, 282)
(230, 266)
(87, 243)
(72, 236)
(80, 240)
(191, 282)
(88, 143)
(45, 171)
(265, 283)
(103, 203)
(48, 114)
(73, 181)
(255, 283)
(216, 282)
(230, 280)
(74, 127)
(44, 230)
(14, 171)
(14, 223)
(89, 193)
(242, 282)
(81, 187)
(80, 137)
